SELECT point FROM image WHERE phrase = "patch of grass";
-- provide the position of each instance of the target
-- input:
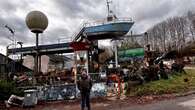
(175, 84)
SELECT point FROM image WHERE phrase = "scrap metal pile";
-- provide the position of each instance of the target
(153, 68)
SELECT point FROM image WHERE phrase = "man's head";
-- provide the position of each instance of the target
(84, 75)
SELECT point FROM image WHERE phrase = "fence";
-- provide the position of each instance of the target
(66, 91)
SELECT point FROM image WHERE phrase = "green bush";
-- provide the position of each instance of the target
(7, 88)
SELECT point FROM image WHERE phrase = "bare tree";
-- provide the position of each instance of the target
(173, 33)
(191, 17)
(163, 33)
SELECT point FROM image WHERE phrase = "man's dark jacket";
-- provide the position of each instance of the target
(84, 84)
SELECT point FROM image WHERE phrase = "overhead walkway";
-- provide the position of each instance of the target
(49, 49)
(43, 49)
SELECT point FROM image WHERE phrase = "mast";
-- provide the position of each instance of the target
(111, 16)
(108, 6)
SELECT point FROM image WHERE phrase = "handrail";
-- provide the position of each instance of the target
(78, 31)
(105, 21)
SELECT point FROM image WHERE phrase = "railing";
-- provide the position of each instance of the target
(105, 21)
(65, 91)
(77, 31)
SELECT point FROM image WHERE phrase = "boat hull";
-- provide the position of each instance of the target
(106, 31)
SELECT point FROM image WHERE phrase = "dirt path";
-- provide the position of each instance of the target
(109, 103)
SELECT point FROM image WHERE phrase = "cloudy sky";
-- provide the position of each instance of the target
(66, 16)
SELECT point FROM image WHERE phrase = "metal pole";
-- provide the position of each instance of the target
(87, 62)
(116, 54)
(147, 38)
(21, 53)
(37, 52)
(36, 57)
(76, 70)
(39, 70)
(20, 43)
(7, 60)
(21, 58)
(7, 70)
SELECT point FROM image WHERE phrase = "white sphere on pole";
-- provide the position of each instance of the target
(36, 21)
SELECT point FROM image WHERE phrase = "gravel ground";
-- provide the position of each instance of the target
(108, 103)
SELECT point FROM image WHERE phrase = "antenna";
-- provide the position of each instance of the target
(10, 29)
(108, 5)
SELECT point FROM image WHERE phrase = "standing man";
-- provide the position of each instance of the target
(84, 85)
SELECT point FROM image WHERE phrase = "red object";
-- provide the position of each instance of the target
(116, 78)
(79, 46)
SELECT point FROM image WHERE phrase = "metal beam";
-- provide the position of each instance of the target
(43, 49)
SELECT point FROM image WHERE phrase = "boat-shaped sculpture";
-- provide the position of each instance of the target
(108, 29)
(111, 27)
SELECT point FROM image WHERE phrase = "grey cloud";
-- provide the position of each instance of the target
(7, 6)
(147, 13)
(152, 10)
(80, 9)
(53, 36)
(17, 24)
(9, 17)
(70, 8)
(4, 42)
